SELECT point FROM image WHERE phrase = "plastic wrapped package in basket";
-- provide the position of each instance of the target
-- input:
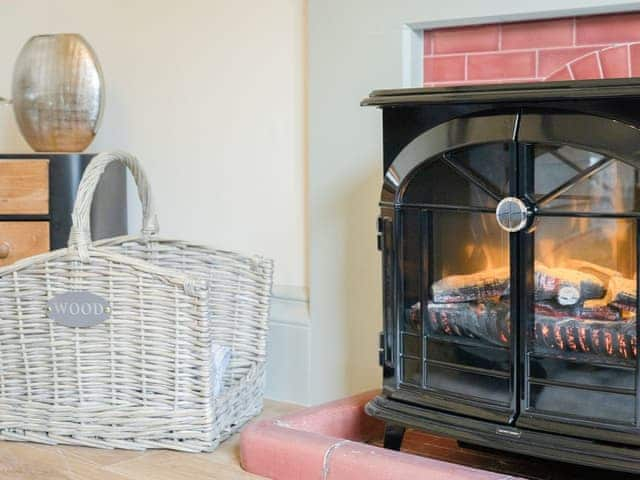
(114, 344)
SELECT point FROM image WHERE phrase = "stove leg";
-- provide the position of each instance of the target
(393, 435)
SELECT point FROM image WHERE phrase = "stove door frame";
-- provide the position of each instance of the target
(613, 139)
(524, 128)
(455, 134)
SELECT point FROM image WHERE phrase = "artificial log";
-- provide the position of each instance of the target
(611, 339)
(490, 321)
(590, 310)
(622, 292)
(473, 287)
(566, 286)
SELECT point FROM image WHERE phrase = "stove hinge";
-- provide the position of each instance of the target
(381, 355)
(380, 233)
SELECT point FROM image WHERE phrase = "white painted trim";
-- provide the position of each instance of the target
(412, 56)
(290, 292)
(289, 344)
(290, 305)
(518, 17)
(413, 36)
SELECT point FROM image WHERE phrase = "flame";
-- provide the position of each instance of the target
(559, 241)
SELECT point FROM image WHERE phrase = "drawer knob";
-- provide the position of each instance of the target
(5, 249)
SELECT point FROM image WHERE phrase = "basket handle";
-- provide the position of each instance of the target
(80, 235)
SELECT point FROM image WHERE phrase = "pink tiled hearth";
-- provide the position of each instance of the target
(328, 442)
(601, 46)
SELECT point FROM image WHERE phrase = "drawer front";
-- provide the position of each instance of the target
(24, 187)
(22, 239)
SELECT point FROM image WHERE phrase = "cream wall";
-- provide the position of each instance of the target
(210, 94)
(355, 46)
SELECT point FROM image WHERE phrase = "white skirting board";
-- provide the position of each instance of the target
(288, 346)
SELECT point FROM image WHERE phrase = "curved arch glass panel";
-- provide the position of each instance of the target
(575, 180)
(475, 176)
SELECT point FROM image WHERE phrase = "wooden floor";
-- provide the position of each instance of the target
(27, 461)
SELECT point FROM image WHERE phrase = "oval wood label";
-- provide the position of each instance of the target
(78, 309)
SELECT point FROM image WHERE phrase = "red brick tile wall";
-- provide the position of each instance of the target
(600, 46)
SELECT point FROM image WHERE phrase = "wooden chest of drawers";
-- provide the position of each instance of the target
(37, 192)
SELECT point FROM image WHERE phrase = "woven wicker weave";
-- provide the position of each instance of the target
(143, 378)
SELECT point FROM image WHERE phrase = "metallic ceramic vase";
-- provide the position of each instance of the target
(58, 93)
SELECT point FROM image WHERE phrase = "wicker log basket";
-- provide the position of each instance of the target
(144, 377)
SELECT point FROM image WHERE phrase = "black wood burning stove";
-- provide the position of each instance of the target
(509, 236)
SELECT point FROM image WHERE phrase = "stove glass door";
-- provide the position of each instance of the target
(580, 350)
(456, 342)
